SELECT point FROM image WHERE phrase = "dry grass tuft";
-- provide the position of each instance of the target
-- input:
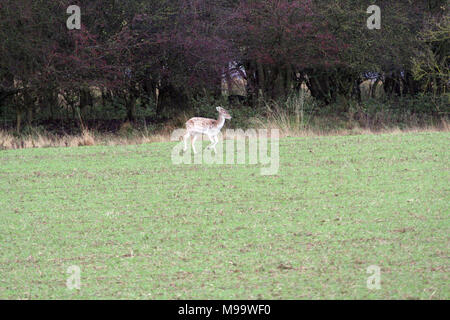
(444, 125)
(6, 140)
(287, 126)
(86, 139)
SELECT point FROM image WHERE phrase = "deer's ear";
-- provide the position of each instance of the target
(218, 109)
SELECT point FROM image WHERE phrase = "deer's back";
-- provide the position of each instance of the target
(200, 124)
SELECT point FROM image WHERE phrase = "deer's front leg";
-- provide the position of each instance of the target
(185, 138)
(193, 143)
(217, 140)
(212, 142)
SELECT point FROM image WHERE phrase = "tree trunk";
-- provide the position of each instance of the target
(29, 116)
(260, 86)
(131, 108)
(18, 120)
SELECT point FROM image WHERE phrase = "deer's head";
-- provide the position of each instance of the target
(223, 112)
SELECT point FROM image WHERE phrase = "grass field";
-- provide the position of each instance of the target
(140, 227)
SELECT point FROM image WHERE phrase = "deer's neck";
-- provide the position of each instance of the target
(220, 121)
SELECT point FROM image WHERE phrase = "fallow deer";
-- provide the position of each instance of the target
(210, 127)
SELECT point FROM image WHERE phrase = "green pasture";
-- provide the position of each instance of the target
(140, 227)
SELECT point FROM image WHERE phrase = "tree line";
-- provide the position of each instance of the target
(163, 54)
